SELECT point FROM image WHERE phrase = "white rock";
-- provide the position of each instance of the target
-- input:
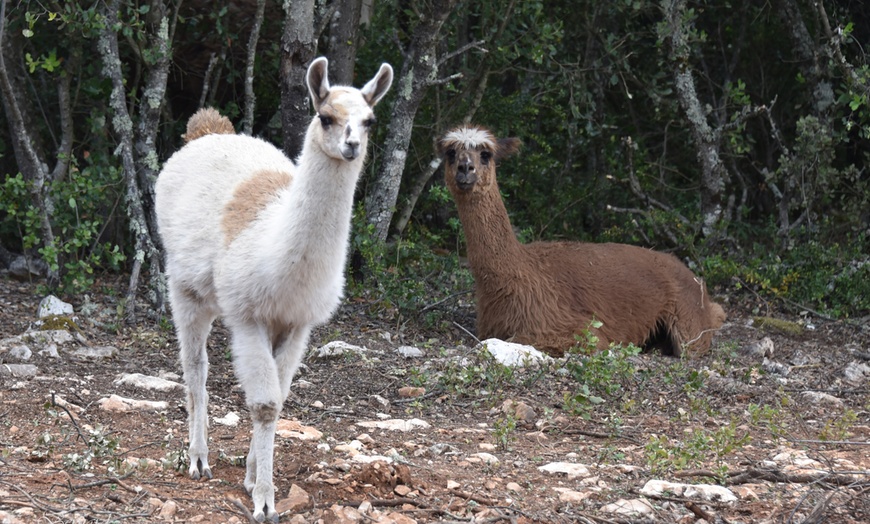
(395, 424)
(18, 370)
(857, 372)
(817, 397)
(762, 348)
(294, 429)
(121, 404)
(231, 419)
(48, 336)
(96, 352)
(487, 458)
(569, 495)
(20, 352)
(410, 352)
(692, 491)
(570, 469)
(51, 305)
(368, 459)
(510, 354)
(452, 484)
(138, 380)
(630, 507)
(338, 348)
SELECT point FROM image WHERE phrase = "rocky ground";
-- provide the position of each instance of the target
(412, 425)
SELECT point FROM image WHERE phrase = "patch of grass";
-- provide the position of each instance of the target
(699, 448)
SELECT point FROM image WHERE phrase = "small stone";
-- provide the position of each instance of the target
(379, 403)
(51, 305)
(510, 354)
(18, 370)
(395, 424)
(452, 484)
(297, 499)
(410, 352)
(513, 486)
(121, 404)
(519, 410)
(570, 469)
(97, 352)
(761, 349)
(231, 419)
(168, 510)
(655, 488)
(411, 392)
(294, 429)
(857, 372)
(486, 458)
(630, 507)
(817, 397)
(571, 496)
(138, 380)
(338, 348)
(402, 490)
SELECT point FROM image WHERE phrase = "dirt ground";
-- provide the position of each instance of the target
(789, 435)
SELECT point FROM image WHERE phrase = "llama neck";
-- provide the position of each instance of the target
(492, 244)
(315, 211)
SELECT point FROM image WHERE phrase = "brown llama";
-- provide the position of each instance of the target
(545, 293)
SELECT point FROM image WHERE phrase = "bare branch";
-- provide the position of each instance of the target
(476, 45)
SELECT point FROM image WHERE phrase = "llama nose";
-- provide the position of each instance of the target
(465, 167)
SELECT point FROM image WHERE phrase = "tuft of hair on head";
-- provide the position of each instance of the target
(207, 121)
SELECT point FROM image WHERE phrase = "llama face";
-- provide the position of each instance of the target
(345, 114)
(345, 121)
(470, 154)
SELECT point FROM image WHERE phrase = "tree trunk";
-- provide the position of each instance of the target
(250, 99)
(344, 40)
(29, 153)
(706, 140)
(298, 45)
(122, 124)
(419, 71)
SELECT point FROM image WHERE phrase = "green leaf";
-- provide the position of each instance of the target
(72, 202)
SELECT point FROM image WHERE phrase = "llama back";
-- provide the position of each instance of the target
(196, 185)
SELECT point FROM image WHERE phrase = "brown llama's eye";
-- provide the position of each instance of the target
(325, 121)
(485, 156)
(451, 155)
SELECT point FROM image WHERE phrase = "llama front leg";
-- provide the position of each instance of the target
(258, 375)
(193, 323)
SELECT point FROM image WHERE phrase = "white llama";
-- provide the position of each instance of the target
(261, 242)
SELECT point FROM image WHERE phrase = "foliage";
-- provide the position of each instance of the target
(599, 374)
(829, 277)
(84, 202)
(406, 279)
(699, 446)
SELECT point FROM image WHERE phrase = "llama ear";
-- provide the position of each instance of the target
(378, 86)
(318, 83)
(507, 147)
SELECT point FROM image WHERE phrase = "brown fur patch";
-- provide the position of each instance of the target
(207, 121)
(249, 199)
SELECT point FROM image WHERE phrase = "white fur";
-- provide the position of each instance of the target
(276, 279)
(470, 138)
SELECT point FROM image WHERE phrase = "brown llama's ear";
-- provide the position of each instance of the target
(507, 147)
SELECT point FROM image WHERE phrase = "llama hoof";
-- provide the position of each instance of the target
(266, 514)
(200, 470)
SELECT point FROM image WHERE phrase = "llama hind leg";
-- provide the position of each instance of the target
(258, 374)
(193, 324)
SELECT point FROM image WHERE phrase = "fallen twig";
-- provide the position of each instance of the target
(245, 511)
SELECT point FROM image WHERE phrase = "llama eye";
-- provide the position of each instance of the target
(451, 155)
(369, 122)
(326, 121)
(485, 156)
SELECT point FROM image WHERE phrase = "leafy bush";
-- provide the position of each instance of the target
(83, 207)
(830, 278)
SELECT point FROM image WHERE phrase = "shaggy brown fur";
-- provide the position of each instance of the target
(207, 121)
(545, 293)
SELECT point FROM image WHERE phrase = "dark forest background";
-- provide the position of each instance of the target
(735, 134)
